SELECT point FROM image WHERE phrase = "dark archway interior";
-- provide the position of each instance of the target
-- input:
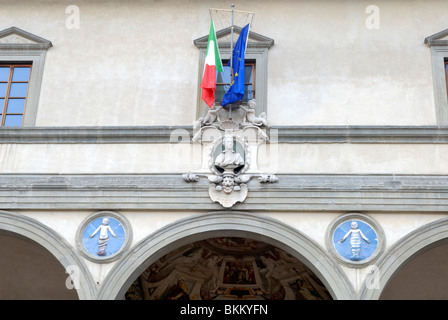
(425, 277)
(228, 268)
(30, 272)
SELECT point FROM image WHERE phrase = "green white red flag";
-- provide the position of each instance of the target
(212, 64)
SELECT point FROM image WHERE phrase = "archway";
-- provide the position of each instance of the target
(29, 272)
(423, 277)
(25, 232)
(422, 240)
(228, 268)
(225, 224)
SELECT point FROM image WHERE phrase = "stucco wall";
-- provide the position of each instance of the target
(183, 158)
(135, 63)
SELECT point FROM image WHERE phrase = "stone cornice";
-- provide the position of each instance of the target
(437, 39)
(33, 42)
(256, 40)
(175, 134)
(96, 135)
(292, 193)
(362, 134)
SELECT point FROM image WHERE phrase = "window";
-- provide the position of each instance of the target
(439, 58)
(22, 57)
(14, 80)
(223, 81)
(256, 60)
(446, 74)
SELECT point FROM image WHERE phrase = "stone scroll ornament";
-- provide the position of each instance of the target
(229, 155)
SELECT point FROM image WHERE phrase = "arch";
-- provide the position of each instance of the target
(239, 224)
(414, 243)
(55, 244)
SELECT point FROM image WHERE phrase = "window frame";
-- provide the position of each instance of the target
(438, 57)
(253, 83)
(18, 47)
(439, 54)
(256, 50)
(8, 97)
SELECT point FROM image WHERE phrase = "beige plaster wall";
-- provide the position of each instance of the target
(354, 158)
(134, 62)
(183, 158)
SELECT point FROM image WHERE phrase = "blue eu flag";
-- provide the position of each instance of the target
(236, 90)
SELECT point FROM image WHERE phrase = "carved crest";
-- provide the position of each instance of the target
(229, 153)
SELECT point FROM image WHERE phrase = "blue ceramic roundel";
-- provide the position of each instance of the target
(103, 237)
(355, 240)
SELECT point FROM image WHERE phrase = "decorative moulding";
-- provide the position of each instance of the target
(255, 39)
(291, 193)
(437, 39)
(19, 46)
(15, 39)
(171, 134)
(230, 146)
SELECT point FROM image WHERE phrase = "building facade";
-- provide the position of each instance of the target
(327, 181)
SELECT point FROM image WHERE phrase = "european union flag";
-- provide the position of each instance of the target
(236, 90)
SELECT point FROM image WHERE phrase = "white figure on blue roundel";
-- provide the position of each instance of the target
(97, 240)
(362, 240)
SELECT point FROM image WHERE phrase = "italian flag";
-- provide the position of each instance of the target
(212, 64)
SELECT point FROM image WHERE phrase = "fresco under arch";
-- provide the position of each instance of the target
(228, 268)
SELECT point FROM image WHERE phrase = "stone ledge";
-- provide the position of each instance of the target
(372, 193)
(176, 134)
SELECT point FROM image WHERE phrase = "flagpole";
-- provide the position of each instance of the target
(231, 59)
(232, 27)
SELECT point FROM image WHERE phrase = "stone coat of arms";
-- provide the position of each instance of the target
(229, 154)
